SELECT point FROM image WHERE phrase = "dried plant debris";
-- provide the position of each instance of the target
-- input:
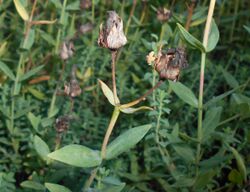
(163, 14)
(67, 50)
(169, 64)
(62, 123)
(72, 88)
(111, 35)
(85, 4)
(86, 28)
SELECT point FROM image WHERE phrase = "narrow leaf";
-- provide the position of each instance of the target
(36, 93)
(21, 10)
(77, 155)
(131, 110)
(247, 28)
(108, 93)
(56, 188)
(184, 93)
(41, 148)
(211, 121)
(35, 121)
(204, 178)
(31, 73)
(6, 70)
(121, 144)
(213, 37)
(231, 81)
(30, 40)
(190, 39)
(240, 163)
(33, 185)
(43, 22)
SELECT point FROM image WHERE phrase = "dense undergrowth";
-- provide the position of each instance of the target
(39, 116)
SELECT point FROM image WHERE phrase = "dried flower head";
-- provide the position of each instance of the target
(163, 14)
(72, 88)
(67, 50)
(85, 28)
(62, 123)
(111, 35)
(169, 64)
(85, 4)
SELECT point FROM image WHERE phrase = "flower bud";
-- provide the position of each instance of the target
(67, 50)
(169, 64)
(163, 14)
(111, 35)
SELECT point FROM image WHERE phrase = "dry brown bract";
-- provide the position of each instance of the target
(62, 123)
(67, 50)
(85, 4)
(169, 64)
(163, 14)
(111, 35)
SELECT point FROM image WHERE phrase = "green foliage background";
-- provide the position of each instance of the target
(165, 159)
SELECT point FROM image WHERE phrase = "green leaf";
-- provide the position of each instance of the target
(247, 28)
(131, 110)
(190, 39)
(33, 185)
(113, 188)
(41, 148)
(184, 93)
(35, 121)
(213, 37)
(204, 178)
(36, 93)
(77, 155)
(56, 188)
(31, 73)
(7, 71)
(108, 93)
(211, 121)
(240, 163)
(121, 144)
(27, 44)
(231, 81)
(21, 10)
(47, 37)
(235, 177)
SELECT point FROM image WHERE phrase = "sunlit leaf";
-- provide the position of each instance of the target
(190, 39)
(131, 110)
(35, 121)
(77, 155)
(21, 10)
(27, 44)
(121, 144)
(56, 188)
(108, 93)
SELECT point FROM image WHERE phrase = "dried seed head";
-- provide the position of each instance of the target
(72, 89)
(62, 123)
(85, 4)
(169, 64)
(111, 35)
(67, 50)
(86, 28)
(163, 14)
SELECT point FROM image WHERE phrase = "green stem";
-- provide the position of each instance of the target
(202, 73)
(112, 122)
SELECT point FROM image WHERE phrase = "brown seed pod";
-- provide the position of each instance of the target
(111, 35)
(169, 64)
(163, 14)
